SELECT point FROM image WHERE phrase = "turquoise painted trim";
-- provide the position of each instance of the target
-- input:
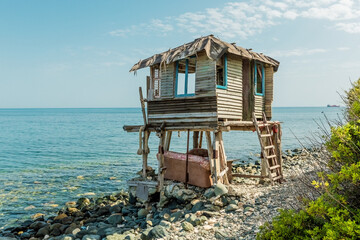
(262, 82)
(186, 94)
(225, 75)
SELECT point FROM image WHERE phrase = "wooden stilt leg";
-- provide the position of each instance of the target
(167, 141)
(210, 153)
(145, 152)
(161, 160)
(216, 157)
(223, 163)
(200, 140)
(196, 139)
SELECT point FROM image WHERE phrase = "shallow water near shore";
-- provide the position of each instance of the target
(51, 156)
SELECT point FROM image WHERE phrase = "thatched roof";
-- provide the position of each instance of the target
(213, 47)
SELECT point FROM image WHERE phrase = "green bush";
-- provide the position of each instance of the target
(335, 214)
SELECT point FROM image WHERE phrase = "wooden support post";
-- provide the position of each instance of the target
(161, 170)
(142, 106)
(216, 157)
(195, 139)
(145, 152)
(277, 145)
(210, 153)
(187, 159)
(223, 163)
(200, 140)
(167, 141)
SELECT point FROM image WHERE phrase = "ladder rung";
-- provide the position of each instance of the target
(268, 147)
(265, 135)
(274, 167)
(277, 177)
(263, 124)
(271, 156)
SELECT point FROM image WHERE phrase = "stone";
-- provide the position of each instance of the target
(142, 213)
(220, 234)
(115, 219)
(115, 209)
(37, 225)
(176, 216)
(37, 216)
(60, 217)
(91, 237)
(231, 207)
(197, 207)
(158, 232)
(65, 237)
(209, 193)
(188, 227)
(82, 202)
(145, 235)
(42, 231)
(220, 189)
(165, 224)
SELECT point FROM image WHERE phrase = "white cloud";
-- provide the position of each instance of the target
(352, 27)
(343, 48)
(245, 19)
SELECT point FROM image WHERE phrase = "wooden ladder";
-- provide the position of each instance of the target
(273, 166)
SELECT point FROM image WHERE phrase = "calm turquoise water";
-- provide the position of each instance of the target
(51, 156)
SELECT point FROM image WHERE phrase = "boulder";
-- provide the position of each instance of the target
(115, 219)
(220, 189)
(91, 237)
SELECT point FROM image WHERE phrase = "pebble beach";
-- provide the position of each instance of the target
(221, 212)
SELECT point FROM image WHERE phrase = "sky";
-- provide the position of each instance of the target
(78, 53)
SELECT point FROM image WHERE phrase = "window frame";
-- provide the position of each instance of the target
(186, 94)
(225, 75)
(262, 80)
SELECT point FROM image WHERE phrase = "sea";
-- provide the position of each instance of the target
(51, 156)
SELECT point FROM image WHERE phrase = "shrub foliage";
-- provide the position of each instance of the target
(336, 213)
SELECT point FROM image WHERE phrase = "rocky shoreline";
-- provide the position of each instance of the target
(221, 212)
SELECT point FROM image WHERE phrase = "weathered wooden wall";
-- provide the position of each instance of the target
(259, 106)
(167, 83)
(229, 100)
(269, 88)
(205, 75)
(191, 111)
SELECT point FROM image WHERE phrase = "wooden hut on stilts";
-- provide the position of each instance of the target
(206, 87)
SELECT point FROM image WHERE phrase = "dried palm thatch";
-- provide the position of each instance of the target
(213, 47)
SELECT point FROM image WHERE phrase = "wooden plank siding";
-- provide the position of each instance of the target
(205, 83)
(200, 111)
(248, 91)
(229, 100)
(269, 88)
(259, 106)
(167, 81)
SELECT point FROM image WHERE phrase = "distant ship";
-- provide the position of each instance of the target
(333, 105)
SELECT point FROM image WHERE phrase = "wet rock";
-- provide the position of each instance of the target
(158, 232)
(187, 226)
(37, 225)
(176, 216)
(60, 217)
(115, 219)
(91, 237)
(64, 237)
(82, 202)
(43, 231)
(198, 207)
(38, 216)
